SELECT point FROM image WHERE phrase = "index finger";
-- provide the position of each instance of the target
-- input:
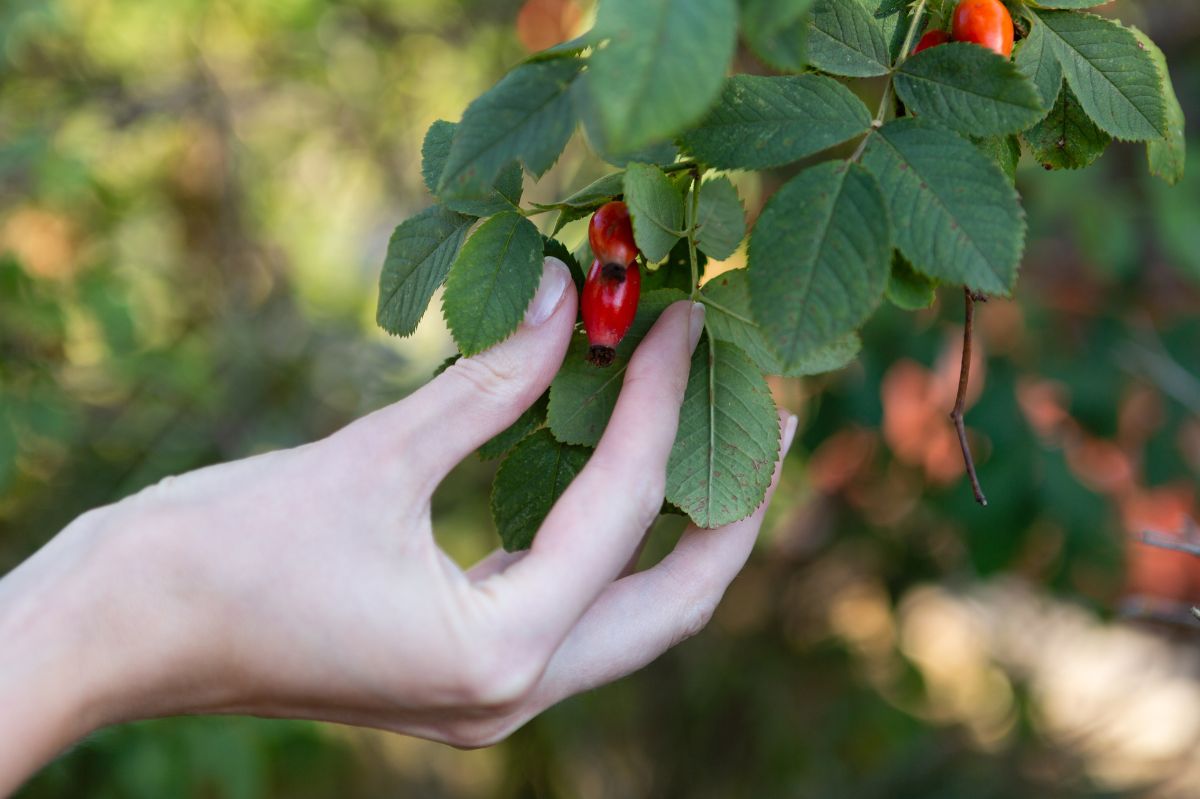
(596, 525)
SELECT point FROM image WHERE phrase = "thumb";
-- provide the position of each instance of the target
(478, 397)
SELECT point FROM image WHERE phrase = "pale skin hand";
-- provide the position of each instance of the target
(306, 583)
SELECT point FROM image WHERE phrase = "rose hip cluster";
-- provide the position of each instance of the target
(984, 22)
(610, 293)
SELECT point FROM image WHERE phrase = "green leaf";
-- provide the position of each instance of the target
(556, 249)
(1167, 156)
(845, 39)
(776, 31)
(532, 419)
(1005, 152)
(729, 318)
(528, 116)
(955, 215)
(528, 483)
(1112, 75)
(721, 223)
(656, 208)
(1037, 61)
(582, 396)
(968, 88)
(908, 289)
(728, 438)
(1072, 3)
(492, 282)
(676, 271)
(761, 122)
(504, 196)
(662, 67)
(419, 255)
(819, 258)
(587, 199)
(1067, 138)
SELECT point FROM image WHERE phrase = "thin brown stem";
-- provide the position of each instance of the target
(960, 401)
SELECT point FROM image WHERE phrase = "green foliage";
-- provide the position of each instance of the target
(418, 259)
(1067, 138)
(661, 69)
(1167, 156)
(760, 122)
(1037, 61)
(728, 438)
(582, 396)
(969, 89)
(529, 482)
(845, 39)
(721, 223)
(955, 215)
(729, 318)
(505, 195)
(1114, 78)
(776, 31)
(907, 288)
(819, 259)
(492, 281)
(529, 421)
(656, 208)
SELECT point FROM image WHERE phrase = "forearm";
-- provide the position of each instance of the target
(44, 672)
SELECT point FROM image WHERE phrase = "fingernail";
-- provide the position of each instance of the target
(696, 323)
(789, 432)
(555, 279)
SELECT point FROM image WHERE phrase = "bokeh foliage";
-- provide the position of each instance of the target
(194, 201)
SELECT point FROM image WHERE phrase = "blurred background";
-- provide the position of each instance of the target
(195, 198)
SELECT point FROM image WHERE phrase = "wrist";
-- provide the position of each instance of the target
(48, 676)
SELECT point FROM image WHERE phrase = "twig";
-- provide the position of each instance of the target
(960, 401)
(1187, 545)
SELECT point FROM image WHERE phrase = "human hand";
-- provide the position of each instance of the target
(307, 583)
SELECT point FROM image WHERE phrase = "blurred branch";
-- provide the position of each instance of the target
(1148, 357)
(960, 401)
(1189, 544)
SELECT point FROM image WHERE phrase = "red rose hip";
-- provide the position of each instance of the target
(611, 234)
(986, 23)
(931, 39)
(608, 305)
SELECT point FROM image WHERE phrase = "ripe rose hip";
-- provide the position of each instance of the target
(931, 39)
(608, 305)
(984, 22)
(611, 234)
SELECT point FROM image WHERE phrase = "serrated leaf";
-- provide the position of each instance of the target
(1111, 74)
(761, 122)
(1004, 151)
(1072, 3)
(776, 31)
(1037, 61)
(721, 222)
(528, 116)
(419, 256)
(587, 199)
(1067, 138)
(662, 67)
(528, 483)
(819, 258)
(729, 318)
(492, 281)
(656, 207)
(582, 396)
(556, 249)
(968, 88)
(505, 195)
(1167, 156)
(908, 289)
(529, 421)
(954, 214)
(728, 438)
(845, 39)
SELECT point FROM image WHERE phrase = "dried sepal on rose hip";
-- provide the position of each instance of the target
(986, 23)
(613, 285)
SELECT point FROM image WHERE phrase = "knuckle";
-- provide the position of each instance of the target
(695, 618)
(648, 498)
(494, 377)
(480, 734)
(497, 675)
